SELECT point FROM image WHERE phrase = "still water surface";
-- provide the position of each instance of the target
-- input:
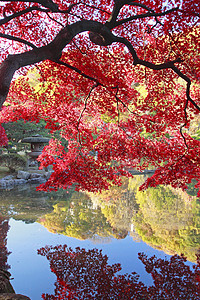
(122, 222)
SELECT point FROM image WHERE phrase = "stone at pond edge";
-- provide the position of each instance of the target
(47, 174)
(19, 181)
(23, 178)
(6, 290)
(35, 175)
(5, 285)
(40, 179)
(8, 296)
(6, 183)
(23, 175)
(9, 177)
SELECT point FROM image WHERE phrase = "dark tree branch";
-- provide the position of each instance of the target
(78, 47)
(82, 112)
(52, 51)
(78, 71)
(112, 21)
(163, 66)
(100, 34)
(145, 15)
(16, 39)
(94, 7)
(187, 79)
(146, 8)
(6, 19)
(45, 3)
(115, 12)
(55, 20)
(97, 83)
(117, 100)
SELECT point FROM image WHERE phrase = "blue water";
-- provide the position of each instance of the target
(31, 272)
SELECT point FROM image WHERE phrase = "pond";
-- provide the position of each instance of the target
(121, 221)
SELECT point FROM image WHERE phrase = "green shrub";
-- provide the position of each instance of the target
(12, 161)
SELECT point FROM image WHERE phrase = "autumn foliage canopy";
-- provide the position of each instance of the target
(119, 80)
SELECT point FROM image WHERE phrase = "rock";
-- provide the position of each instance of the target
(9, 177)
(40, 179)
(35, 175)
(2, 183)
(23, 178)
(23, 175)
(33, 164)
(19, 181)
(8, 296)
(6, 183)
(6, 290)
(5, 285)
(47, 174)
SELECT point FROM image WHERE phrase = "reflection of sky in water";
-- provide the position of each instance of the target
(31, 272)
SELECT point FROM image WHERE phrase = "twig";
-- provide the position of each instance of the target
(55, 20)
(16, 39)
(85, 107)
(78, 71)
(78, 47)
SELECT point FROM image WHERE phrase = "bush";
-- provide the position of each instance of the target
(12, 161)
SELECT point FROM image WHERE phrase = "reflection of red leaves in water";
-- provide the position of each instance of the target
(86, 274)
(172, 279)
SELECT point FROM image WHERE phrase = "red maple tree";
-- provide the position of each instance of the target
(86, 274)
(118, 79)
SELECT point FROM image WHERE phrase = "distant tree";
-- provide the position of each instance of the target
(18, 130)
(13, 161)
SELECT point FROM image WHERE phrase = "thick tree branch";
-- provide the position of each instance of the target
(99, 34)
(52, 51)
(163, 66)
(115, 12)
(6, 19)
